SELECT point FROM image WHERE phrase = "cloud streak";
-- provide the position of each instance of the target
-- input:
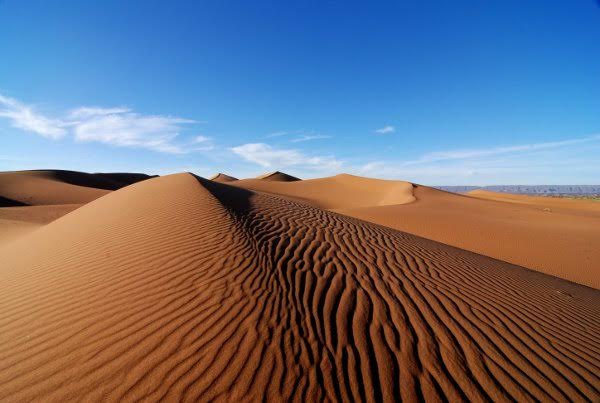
(119, 126)
(269, 157)
(486, 152)
(543, 162)
(26, 118)
(308, 137)
(386, 130)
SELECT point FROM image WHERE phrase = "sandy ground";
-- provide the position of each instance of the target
(31, 199)
(179, 288)
(554, 236)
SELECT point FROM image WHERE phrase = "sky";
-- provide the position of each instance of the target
(435, 92)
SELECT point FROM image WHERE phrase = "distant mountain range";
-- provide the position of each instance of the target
(528, 189)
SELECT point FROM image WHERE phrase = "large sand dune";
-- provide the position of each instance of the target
(46, 187)
(223, 178)
(553, 236)
(185, 289)
(341, 191)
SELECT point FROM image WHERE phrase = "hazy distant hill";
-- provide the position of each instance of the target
(529, 189)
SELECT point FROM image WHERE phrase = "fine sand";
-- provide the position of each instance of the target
(278, 176)
(31, 199)
(223, 178)
(180, 288)
(554, 236)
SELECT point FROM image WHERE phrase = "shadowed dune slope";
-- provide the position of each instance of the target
(221, 177)
(563, 242)
(340, 191)
(182, 288)
(278, 177)
(45, 187)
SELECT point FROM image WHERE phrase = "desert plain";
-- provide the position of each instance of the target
(127, 287)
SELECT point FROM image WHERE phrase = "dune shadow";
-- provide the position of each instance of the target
(6, 202)
(234, 199)
(106, 181)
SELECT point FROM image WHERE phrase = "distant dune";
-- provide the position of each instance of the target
(220, 177)
(39, 197)
(553, 236)
(184, 289)
(45, 187)
(337, 191)
(180, 288)
(529, 189)
(278, 177)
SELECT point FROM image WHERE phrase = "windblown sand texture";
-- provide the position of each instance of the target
(554, 236)
(180, 288)
(223, 178)
(30, 199)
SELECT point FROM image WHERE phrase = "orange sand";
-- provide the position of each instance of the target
(183, 289)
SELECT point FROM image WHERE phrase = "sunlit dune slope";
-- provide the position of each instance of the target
(563, 204)
(553, 236)
(278, 176)
(30, 199)
(185, 289)
(46, 187)
(556, 241)
(341, 191)
(221, 177)
(16, 221)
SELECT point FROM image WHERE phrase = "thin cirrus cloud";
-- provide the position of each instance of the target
(308, 137)
(268, 157)
(386, 130)
(487, 152)
(531, 163)
(25, 118)
(115, 126)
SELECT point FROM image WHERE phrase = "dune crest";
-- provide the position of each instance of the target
(278, 176)
(221, 177)
(340, 191)
(182, 288)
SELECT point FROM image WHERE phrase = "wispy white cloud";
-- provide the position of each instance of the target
(121, 127)
(485, 152)
(308, 137)
(567, 161)
(202, 143)
(26, 118)
(271, 157)
(386, 130)
(118, 126)
(201, 139)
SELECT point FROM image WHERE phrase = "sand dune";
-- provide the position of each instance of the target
(221, 177)
(278, 177)
(185, 289)
(35, 198)
(573, 206)
(17, 221)
(553, 236)
(341, 191)
(46, 187)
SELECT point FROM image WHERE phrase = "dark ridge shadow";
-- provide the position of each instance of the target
(106, 181)
(279, 176)
(6, 202)
(125, 178)
(235, 200)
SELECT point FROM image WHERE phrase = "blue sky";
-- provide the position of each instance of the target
(436, 92)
